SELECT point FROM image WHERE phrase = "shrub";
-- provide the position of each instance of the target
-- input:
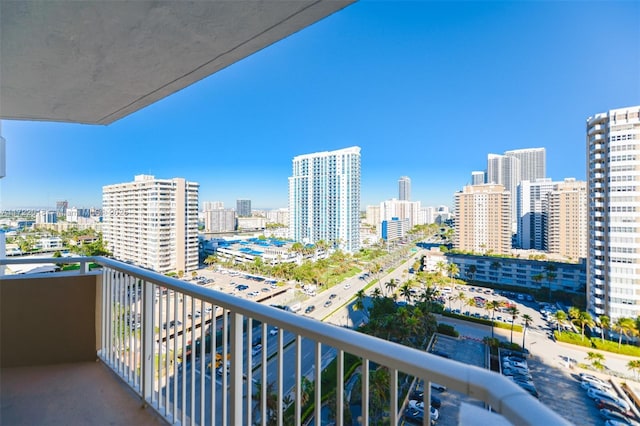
(448, 330)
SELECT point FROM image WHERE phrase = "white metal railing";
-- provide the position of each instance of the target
(150, 322)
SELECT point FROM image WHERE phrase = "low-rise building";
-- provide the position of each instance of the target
(525, 273)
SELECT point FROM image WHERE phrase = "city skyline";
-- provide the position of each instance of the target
(392, 79)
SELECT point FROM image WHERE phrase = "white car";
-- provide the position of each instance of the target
(256, 349)
(273, 331)
(596, 381)
(586, 385)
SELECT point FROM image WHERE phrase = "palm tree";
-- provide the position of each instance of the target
(359, 305)
(560, 317)
(495, 265)
(605, 323)
(634, 365)
(584, 319)
(527, 320)
(538, 279)
(471, 271)
(514, 312)
(551, 275)
(441, 267)
(391, 285)
(405, 291)
(461, 297)
(574, 313)
(493, 306)
(596, 359)
(623, 326)
(211, 260)
(453, 270)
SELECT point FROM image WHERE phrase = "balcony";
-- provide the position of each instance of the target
(135, 323)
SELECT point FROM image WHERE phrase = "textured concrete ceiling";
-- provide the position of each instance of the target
(98, 61)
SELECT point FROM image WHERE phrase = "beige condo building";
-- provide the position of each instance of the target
(566, 219)
(153, 223)
(483, 219)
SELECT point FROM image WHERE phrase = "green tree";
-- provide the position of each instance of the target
(211, 260)
(551, 275)
(513, 312)
(604, 323)
(453, 270)
(596, 359)
(584, 319)
(471, 271)
(527, 320)
(538, 279)
(391, 286)
(359, 303)
(441, 267)
(405, 291)
(623, 326)
(461, 297)
(573, 313)
(560, 317)
(493, 306)
(634, 366)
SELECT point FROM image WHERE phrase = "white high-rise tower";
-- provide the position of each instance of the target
(152, 223)
(324, 198)
(404, 188)
(613, 176)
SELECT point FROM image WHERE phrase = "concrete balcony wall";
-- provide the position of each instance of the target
(48, 319)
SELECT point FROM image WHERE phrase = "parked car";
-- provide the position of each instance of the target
(604, 396)
(614, 415)
(419, 405)
(592, 379)
(256, 349)
(419, 396)
(609, 405)
(273, 331)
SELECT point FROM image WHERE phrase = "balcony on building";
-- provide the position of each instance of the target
(93, 348)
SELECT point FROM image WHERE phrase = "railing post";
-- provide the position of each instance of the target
(235, 387)
(84, 267)
(148, 295)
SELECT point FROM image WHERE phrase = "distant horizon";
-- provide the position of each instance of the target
(426, 90)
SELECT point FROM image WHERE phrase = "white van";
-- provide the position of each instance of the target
(294, 308)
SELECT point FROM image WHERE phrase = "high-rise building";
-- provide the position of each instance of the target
(219, 220)
(243, 208)
(373, 216)
(552, 216)
(404, 188)
(324, 198)
(566, 219)
(531, 201)
(152, 223)
(533, 162)
(505, 171)
(61, 208)
(212, 205)
(512, 168)
(399, 209)
(482, 219)
(613, 175)
(477, 178)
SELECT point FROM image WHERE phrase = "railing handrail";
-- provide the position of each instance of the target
(503, 395)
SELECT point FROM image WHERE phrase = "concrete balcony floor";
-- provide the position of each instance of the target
(70, 394)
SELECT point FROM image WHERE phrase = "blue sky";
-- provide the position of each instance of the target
(426, 89)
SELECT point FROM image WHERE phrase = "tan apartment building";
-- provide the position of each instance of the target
(153, 223)
(483, 219)
(566, 219)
